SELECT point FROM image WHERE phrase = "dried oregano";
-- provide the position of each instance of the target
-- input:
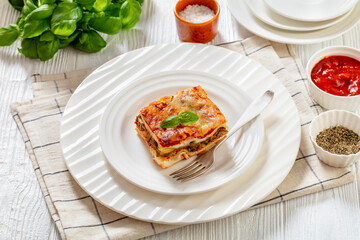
(339, 140)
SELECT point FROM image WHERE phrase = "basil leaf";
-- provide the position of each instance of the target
(47, 46)
(29, 47)
(43, 12)
(188, 118)
(100, 5)
(89, 41)
(170, 122)
(8, 35)
(17, 4)
(106, 24)
(65, 17)
(29, 6)
(113, 10)
(47, 37)
(33, 28)
(65, 42)
(130, 13)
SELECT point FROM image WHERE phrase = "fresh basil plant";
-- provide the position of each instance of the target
(49, 25)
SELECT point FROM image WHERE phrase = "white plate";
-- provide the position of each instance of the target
(129, 155)
(311, 10)
(243, 15)
(86, 162)
(265, 14)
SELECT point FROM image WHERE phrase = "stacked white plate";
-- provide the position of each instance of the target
(111, 163)
(296, 21)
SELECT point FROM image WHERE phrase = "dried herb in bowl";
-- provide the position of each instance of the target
(339, 140)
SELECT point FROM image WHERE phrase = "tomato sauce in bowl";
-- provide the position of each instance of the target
(337, 75)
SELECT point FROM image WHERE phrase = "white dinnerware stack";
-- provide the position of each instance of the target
(296, 21)
(296, 15)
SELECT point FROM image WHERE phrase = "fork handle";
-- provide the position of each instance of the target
(252, 111)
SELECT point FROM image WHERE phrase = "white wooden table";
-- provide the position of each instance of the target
(332, 214)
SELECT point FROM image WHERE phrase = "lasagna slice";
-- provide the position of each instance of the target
(170, 145)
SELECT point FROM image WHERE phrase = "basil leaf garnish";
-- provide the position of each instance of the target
(188, 118)
(170, 122)
(185, 118)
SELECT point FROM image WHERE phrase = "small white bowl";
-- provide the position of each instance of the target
(323, 98)
(330, 119)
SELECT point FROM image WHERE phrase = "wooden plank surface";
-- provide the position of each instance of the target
(332, 214)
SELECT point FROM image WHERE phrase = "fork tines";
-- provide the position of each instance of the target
(190, 171)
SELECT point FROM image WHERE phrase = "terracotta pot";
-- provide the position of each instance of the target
(197, 32)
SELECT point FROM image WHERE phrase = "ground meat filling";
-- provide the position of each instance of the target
(193, 146)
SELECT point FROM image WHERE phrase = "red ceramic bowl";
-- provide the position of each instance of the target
(197, 32)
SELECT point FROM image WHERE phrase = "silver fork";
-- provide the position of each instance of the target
(203, 163)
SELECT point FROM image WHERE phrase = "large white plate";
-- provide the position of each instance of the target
(86, 162)
(129, 155)
(265, 14)
(311, 10)
(244, 16)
